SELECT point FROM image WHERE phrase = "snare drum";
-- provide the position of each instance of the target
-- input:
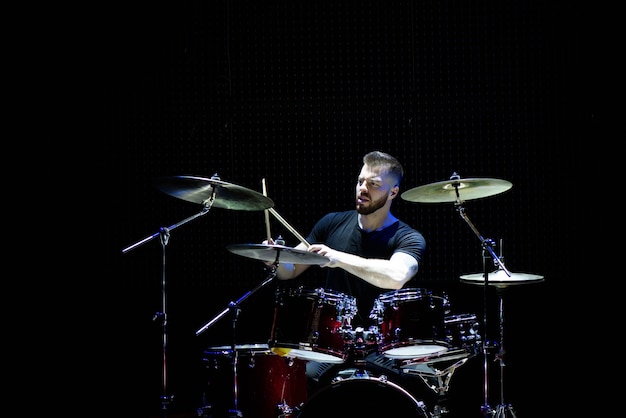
(464, 342)
(411, 323)
(312, 324)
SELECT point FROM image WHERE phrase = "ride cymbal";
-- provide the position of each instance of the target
(499, 278)
(270, 252)
(457, 190)
(227, 195)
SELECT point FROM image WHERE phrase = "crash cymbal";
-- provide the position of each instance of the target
(268, 253)
(456, 190)
(227, 195)
(499, 278)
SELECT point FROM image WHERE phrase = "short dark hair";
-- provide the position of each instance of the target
(391, 164)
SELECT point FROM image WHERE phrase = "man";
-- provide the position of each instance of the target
(370, 251)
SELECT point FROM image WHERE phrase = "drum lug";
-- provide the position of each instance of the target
(491, 345)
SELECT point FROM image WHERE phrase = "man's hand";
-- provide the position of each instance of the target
(332, 255)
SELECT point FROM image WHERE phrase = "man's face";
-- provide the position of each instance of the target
(373, 188)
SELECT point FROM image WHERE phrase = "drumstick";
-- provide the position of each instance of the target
(267, 215)
(293, 231)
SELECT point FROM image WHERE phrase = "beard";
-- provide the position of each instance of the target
(374, 205)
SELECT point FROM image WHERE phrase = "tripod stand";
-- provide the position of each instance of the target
(208, 192)
(458, 190)
(164, 235)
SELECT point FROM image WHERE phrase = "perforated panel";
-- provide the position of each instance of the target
(296, 93)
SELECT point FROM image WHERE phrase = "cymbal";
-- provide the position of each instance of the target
(446, 191)
(227, 195)
(285, 254)
(499, 278)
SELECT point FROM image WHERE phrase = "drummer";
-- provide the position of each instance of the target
(370, 251)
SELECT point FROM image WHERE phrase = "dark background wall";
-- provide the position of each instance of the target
(296, 93)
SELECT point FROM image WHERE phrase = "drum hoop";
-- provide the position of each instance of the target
(379, 380)
(242, 350)
(460, 354)
(401, 295)
(416, 343)
(459, 318)
(324, 294)
(383, 382)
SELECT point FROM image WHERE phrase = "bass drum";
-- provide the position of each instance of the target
(362, 397)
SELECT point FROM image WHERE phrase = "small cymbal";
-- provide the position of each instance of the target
(456, 190)
(227, 195)
(499, 278)
(285, 254)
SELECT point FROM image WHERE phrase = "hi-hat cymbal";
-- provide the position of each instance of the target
(285, 254)
(457, 190)
(227, 195)
(499, 278)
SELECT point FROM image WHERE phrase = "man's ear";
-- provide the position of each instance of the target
(394, 192)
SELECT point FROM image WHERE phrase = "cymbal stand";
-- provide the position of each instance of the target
(487, 247)
(502, 408)
(234, 310)
(164, 235)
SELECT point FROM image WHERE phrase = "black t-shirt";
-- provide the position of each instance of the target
(341, 231)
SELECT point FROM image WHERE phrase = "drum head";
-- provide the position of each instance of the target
(415, 351)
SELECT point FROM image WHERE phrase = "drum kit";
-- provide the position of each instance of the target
(413, 330)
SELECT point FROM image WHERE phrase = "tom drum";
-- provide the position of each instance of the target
(312, 324)
(411, 323)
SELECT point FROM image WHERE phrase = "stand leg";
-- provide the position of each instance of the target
(502, 408)
(165, 398)
(235, 412)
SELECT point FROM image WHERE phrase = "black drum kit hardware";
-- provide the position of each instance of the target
(274, 383)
